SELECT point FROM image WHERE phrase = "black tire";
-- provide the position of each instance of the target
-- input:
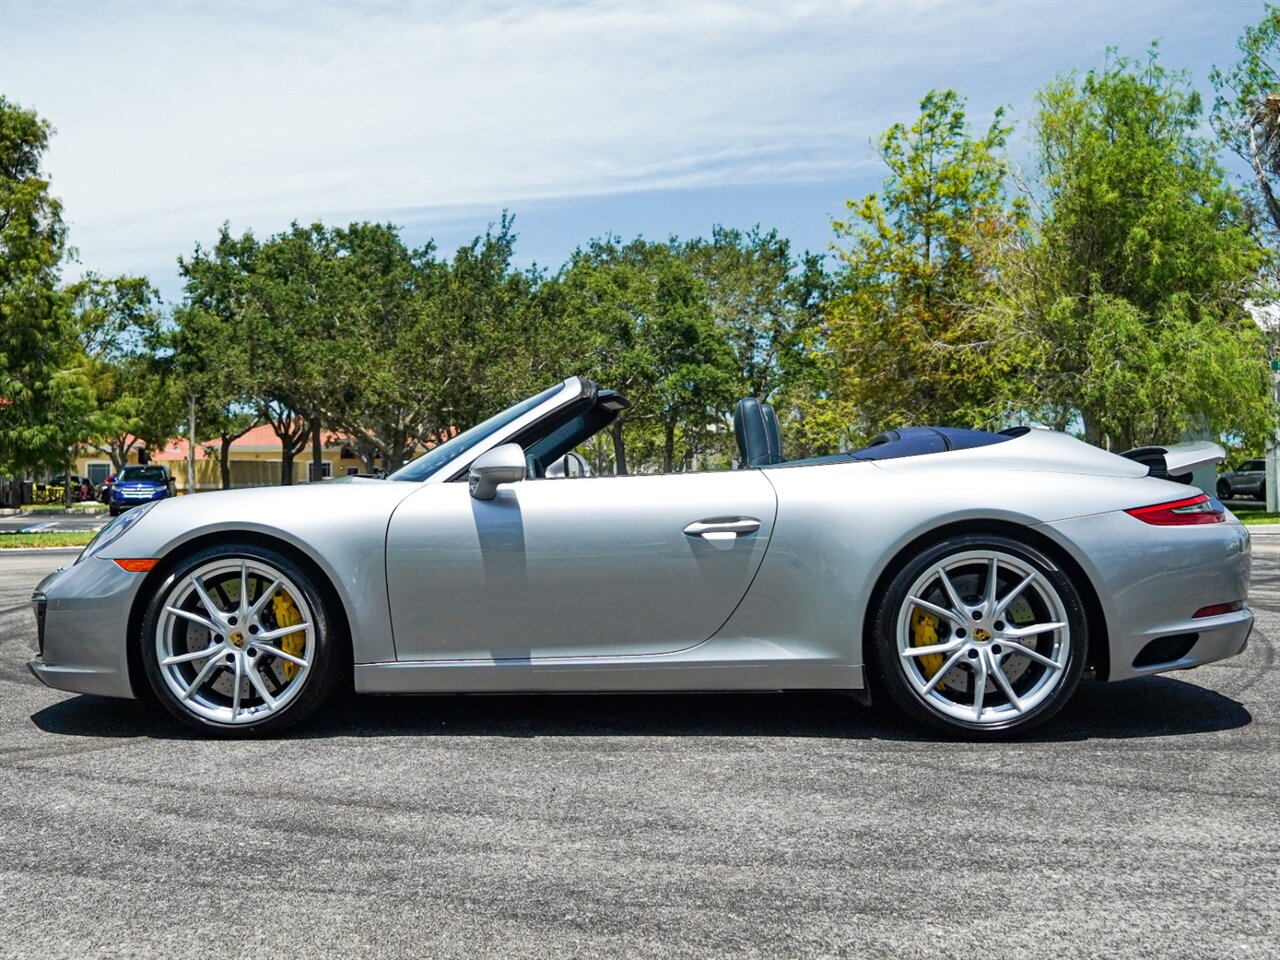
(328, 655)
(1262, 491)
(114, 511)
(1054, 590)
(1224, 490)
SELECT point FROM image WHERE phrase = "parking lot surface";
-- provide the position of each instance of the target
(1142, 822)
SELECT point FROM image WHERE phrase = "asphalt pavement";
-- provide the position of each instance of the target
(1142, 822)
(51, 522)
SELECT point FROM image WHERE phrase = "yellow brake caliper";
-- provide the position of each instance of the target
(924, 633)
(287, 615)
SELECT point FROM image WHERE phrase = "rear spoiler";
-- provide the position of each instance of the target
(1177, 462)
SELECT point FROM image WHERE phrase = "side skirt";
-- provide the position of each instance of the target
(604, 675)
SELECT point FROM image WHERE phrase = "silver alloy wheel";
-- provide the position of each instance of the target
(1001, 638)
(221, 647)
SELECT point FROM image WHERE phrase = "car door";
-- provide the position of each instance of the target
(1255, 475)
(589, 566)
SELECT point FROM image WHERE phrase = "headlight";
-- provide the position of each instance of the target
(113, 530)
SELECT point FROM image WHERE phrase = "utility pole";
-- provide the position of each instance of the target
(191, 443)
(1273, 447)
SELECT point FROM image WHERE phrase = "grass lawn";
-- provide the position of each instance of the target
(67, 538)
(1259, 517)
(87, 507)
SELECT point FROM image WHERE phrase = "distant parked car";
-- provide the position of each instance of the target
(81, 488)
(104, 489)
(138, 485)
(1249, 480)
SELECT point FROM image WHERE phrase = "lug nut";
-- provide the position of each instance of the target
(231, 658)
(231, 620)
(960, 631)
(999, 624)
(253, 628)
(973, 654)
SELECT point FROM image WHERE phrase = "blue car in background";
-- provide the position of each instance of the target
(137, 485)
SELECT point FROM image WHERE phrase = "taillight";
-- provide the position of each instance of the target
(1177, 513)
(1218, 609)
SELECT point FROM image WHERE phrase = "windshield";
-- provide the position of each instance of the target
(437, 457)
(154, 474)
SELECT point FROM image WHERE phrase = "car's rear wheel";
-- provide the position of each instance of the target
(1262, 490)
(980, 636)
(1224, 490)
(238, 641)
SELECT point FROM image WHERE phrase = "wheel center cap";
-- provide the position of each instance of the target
(237, 639)
(979, 634)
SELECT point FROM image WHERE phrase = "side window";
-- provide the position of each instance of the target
(1257, 465)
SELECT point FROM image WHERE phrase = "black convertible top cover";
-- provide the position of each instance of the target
(912, 442)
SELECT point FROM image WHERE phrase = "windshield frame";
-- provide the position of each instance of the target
(123, 475)
(465, 447)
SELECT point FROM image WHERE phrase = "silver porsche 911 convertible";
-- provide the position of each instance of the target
(973, 578)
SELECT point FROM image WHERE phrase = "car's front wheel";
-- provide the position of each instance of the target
(980, 636)
(238, 641)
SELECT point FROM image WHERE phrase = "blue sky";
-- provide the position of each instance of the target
(652, 119)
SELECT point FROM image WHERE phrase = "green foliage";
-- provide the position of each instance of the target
(769, 306)
(909, 342)
(649, 332)
(45, 399)
(118, 326)
(1131, 296)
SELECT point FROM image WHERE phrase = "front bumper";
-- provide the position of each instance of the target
(1151, 581)
(123, 501)
(83, 645)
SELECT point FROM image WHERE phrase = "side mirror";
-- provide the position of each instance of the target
(504, 464)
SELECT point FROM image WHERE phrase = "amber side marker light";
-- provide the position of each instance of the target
(1218, 609)
(1177, 513)
(136, 566)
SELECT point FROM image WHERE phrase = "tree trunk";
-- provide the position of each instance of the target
(317, 453)
(668, 447)
(224, 462)
(619, 449)
(286, 464)
(1092, 434)
(191, 443)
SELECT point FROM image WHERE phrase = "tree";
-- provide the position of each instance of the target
(387, 356)
(1246, 108)
(649, 333)
(45, 398)
(910, 342)
(288, 314)
(1130, 297)
(118, 324)
(210, 343)
(769, 304)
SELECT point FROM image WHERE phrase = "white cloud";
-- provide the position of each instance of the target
(174, 117)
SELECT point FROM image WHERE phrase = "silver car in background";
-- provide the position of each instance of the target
(971, 578)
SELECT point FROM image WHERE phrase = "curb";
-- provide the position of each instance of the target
(36, 551)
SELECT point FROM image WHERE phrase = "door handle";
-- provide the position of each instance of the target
(722, 528)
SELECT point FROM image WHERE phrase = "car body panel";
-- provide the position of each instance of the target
(339, 525)
(569, 567)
